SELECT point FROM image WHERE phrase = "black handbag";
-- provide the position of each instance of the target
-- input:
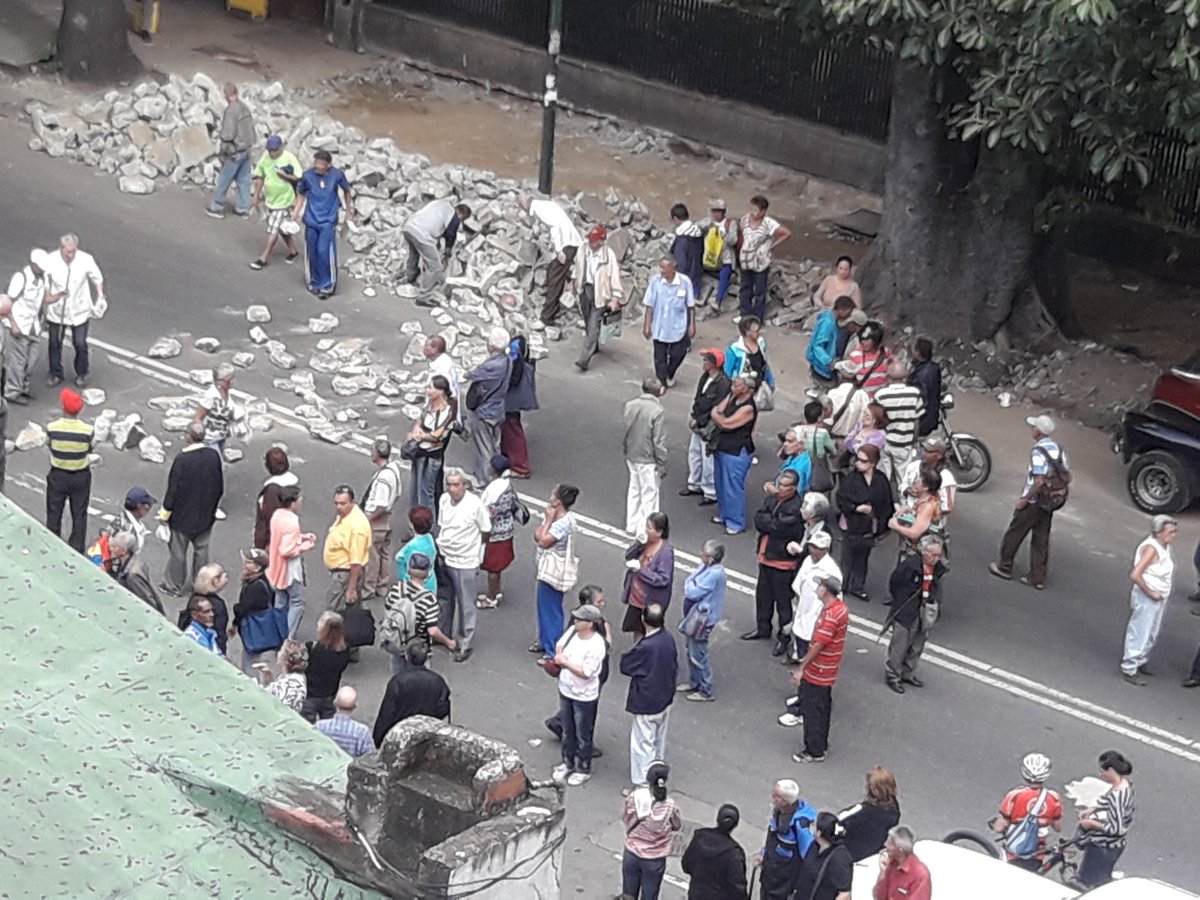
(360, 625)
(411, 450)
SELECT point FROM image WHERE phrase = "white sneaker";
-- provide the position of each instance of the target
(219, 515)
(792, 701)
(737, 319)
(577, 778)
(787, 720)
(559, 772)
(684, 688)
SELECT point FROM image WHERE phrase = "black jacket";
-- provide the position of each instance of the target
(781, 522)
(867, 826)
(652, 666)
(416, 691)
(717, 866)
(853, 492)
(905, 586)
(194, 489)
(706, 399)
(688, 251)
(928, 377)
(256, 595)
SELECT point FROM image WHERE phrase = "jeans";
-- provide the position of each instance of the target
(700, 667)
(1145, 619)
(669, 356)
(1031, 518)
(641, 498)
(464, 599)
(236, 169)
(425, 482)
(729, 475)
(723, 279)
(291, 598)
(904, 649)
(1096, 867)
(556, 280)
(57, 333)
(773, 596)
(20, 358)
(549, 617)
(578, 720)
(816, 706)
(177, 570)
(63, 486)
(701, 471)
(647, 743)
(485, 439)
(642, 878)
(752, 297)
(420, 251)
(320, 260)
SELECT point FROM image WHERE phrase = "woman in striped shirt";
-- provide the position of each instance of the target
(651, 820)
(1106, 825)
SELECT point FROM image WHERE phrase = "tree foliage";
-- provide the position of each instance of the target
(1093, 79)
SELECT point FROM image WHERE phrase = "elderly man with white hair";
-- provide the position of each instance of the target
(130, 570)
(21, 308)
(1152, 576)
(904, 405)
(217, 412)
(352, 736)
(464, 526)
(77, 289)
(789, 834)
(485, 402)
(901, 875)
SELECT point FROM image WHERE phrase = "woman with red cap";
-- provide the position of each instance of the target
(598, 287)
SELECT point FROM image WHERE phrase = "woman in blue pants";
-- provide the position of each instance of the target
(555, 549)
(733, 451)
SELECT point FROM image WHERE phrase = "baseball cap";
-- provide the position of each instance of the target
(420, 562)
(256, 556)
(820, 539)
(138, 496)
(716, 203)
(1042, 423)
(858, 317)
(718, 356)
(39, 257)
(934, 444)
(597, 233)
(274, 142)
(831, 584)
(587, 613)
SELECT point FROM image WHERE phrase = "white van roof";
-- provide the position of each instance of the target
(1138, 889)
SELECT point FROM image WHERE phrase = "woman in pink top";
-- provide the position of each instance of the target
(285, 570)
(651, 820)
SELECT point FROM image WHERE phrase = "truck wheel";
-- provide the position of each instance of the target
(1159, 482)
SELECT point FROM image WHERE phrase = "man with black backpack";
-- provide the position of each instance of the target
(1046, 486)
(1027, 814)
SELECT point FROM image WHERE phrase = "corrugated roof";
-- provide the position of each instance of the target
(129, 754)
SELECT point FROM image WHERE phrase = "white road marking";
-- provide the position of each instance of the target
(1012, 683)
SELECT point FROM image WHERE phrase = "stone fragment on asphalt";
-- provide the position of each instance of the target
(165, 348)
(207, 344)
(258, 335)
(30, 437)
(93, 396)
(102, 427)
(323, 324)
(242, 360)
(200, 376)
(282, 359)
(135, 184)
(233, 455)
(151, 449)
(258, 313)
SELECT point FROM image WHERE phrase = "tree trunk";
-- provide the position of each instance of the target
(93, 41)
(954, 254)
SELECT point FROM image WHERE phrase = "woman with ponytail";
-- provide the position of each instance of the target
(651, 820)
(829, 864)
(715, 861)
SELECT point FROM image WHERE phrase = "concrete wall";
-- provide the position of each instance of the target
(476, 55)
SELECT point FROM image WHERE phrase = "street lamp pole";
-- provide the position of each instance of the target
(550, 98)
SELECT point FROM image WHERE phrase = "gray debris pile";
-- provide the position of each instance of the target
(163, 132)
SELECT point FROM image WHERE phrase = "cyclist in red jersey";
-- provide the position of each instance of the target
(1023, 801)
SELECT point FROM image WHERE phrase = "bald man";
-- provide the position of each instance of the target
(353, 737)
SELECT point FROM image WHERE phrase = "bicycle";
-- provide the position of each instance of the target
(1060, 858)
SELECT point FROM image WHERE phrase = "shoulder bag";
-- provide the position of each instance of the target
(820, 479)
(559, 568)
(549, 666)
(360, 625)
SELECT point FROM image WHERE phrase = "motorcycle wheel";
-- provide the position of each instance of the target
(970, 461)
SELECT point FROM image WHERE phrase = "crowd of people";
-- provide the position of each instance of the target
(864, 470)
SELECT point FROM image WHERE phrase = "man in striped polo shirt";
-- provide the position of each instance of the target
(818, 670)
(904, 404)
(70, 476)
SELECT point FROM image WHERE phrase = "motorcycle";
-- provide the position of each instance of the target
(966, 455)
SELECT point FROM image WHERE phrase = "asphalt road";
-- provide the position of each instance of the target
(1011, 669)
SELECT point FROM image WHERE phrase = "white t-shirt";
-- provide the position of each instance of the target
(27, 292)
(222, 413)
(460, 526)
(908, 477)
(1159, 573)
(804, 593)
(563, 232)
(756, 243)
(384, 488)
(76, 278)
(443, 365)
(587, 653)
(431, 220)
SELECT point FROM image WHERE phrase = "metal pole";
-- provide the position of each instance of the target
(550, 99)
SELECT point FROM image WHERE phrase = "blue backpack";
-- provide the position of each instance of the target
(1021, 838)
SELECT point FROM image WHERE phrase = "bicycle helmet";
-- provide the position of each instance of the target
(1035, 768)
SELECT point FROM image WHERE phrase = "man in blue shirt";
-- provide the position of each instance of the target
(317, 196)
(670, 318)
(822, 347)
(353, 737)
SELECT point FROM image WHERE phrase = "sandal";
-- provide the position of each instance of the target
(535, 647)
(483, 602)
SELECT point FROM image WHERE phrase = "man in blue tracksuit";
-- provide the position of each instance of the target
(822, 348)
(789, 834)
(317, 194)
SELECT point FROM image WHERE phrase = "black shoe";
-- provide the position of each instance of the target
(324, 295)
(555, 727)
(258, 264)
(81, 381)
(54, 381)
(292, 257)
(708, 501)
(597, 753)
(1191, 681)
(717, 520)
(1145, 670)
(895, 685)
(426, 302)
(779, 649)
(913, 680)
(690, 492)
(463, 655)
(756, 636)
(581, 366)
(1134, 679)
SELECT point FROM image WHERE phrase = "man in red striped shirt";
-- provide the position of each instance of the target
(818, 670)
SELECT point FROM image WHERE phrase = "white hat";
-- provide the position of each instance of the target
(1042, 423)
(820, 539)
(39, 258)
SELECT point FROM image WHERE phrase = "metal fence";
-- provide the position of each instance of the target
(1172, 199)
(700, 46)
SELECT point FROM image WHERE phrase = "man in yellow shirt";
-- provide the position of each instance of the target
(347, 548)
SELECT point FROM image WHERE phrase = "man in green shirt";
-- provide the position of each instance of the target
(275, 177)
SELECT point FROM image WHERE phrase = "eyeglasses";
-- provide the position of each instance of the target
(862, 459)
